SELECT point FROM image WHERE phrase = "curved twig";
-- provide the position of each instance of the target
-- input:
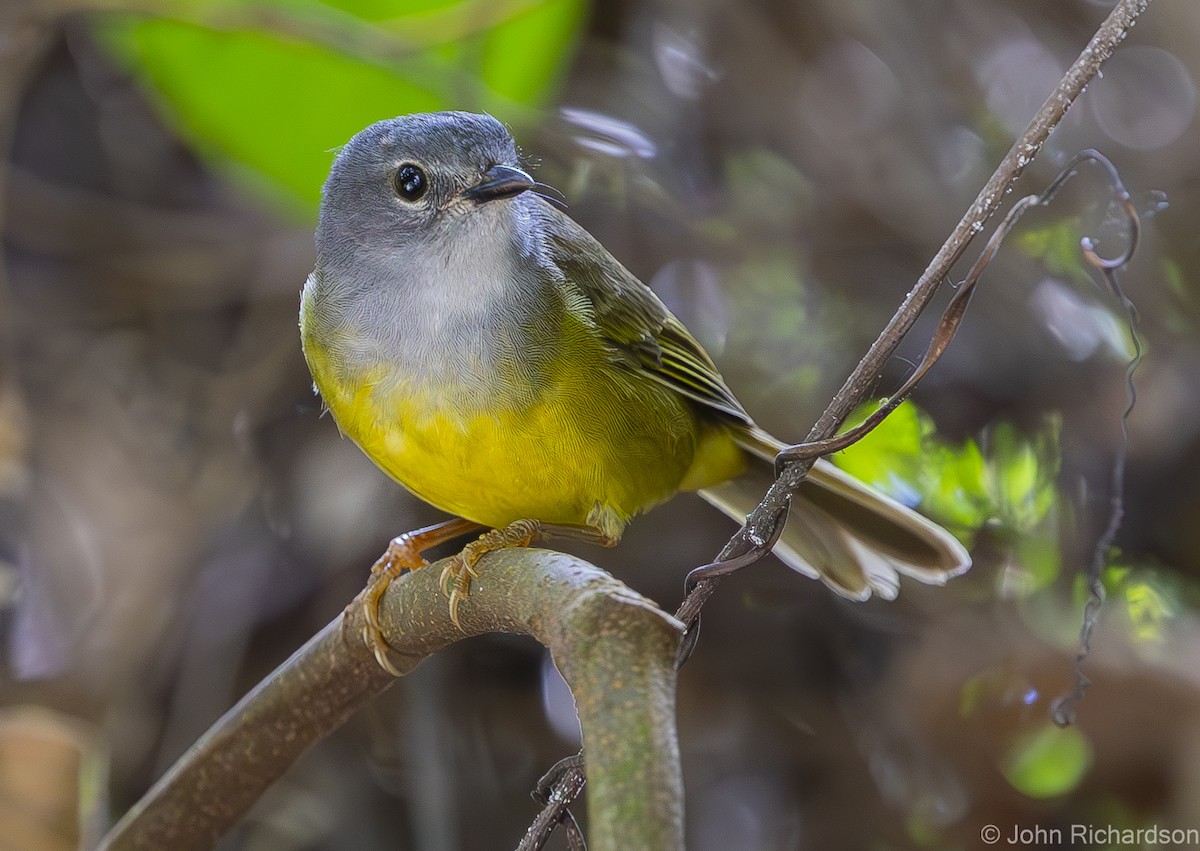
(750, 542)
(764, 526)
(1063, 709)
(956, 310)
(556, 791)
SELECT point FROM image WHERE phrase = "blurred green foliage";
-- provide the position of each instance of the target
(1154, 600)
(1149, 607)
(1007, 480)
(1056, 245)
(270, 89)
(992, 687)
(1047, 762)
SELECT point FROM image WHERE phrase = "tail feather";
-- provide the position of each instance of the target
(855, 539)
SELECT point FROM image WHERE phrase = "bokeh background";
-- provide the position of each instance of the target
(176, 516)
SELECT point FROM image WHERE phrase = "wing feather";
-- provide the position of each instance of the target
(632, 319)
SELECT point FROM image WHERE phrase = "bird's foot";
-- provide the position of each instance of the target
(460, 569)
(403, 555)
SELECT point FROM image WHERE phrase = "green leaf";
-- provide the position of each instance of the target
(1012, 481)
(957, 494)
(1040, 560)
(892, 450)
(1057, 246)
(1150, 609)
(1023, 471)
(514, 71)
(271, 90)
(904, 458)
(1154, 600)
(279, 107)
(1047, 762)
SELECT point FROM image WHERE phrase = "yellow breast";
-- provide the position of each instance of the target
(594, 443)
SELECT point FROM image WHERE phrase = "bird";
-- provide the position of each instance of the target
(492, 357)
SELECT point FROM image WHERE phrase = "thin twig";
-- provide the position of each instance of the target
(560, 786)
(955, 311)
(753, 540)
(1063, 709)
(764, 526)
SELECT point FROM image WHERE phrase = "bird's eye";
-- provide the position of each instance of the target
(411, 183)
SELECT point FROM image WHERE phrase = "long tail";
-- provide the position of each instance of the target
(853, 538)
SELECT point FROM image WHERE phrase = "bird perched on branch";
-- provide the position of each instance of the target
(495, 359)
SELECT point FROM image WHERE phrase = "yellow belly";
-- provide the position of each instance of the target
(591, 447)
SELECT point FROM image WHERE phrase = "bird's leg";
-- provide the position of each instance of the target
(460, 569)
(404, 553)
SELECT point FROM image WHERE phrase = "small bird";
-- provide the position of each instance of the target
(493, 358)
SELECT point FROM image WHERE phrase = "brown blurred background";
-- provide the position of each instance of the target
(176, 516)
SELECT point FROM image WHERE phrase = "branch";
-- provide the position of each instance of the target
(614, 648)
(755, 539)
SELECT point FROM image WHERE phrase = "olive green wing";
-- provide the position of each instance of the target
(630, 317)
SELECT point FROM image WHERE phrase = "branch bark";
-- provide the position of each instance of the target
(615, 648)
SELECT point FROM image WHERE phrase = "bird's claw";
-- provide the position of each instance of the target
(404, 554)
(399, 559)
(455, 580)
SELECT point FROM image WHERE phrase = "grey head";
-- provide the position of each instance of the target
(406, 184)
(430, 252)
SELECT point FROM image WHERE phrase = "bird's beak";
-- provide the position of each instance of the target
(499, 181)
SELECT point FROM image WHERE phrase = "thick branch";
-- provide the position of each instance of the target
(614, 647)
